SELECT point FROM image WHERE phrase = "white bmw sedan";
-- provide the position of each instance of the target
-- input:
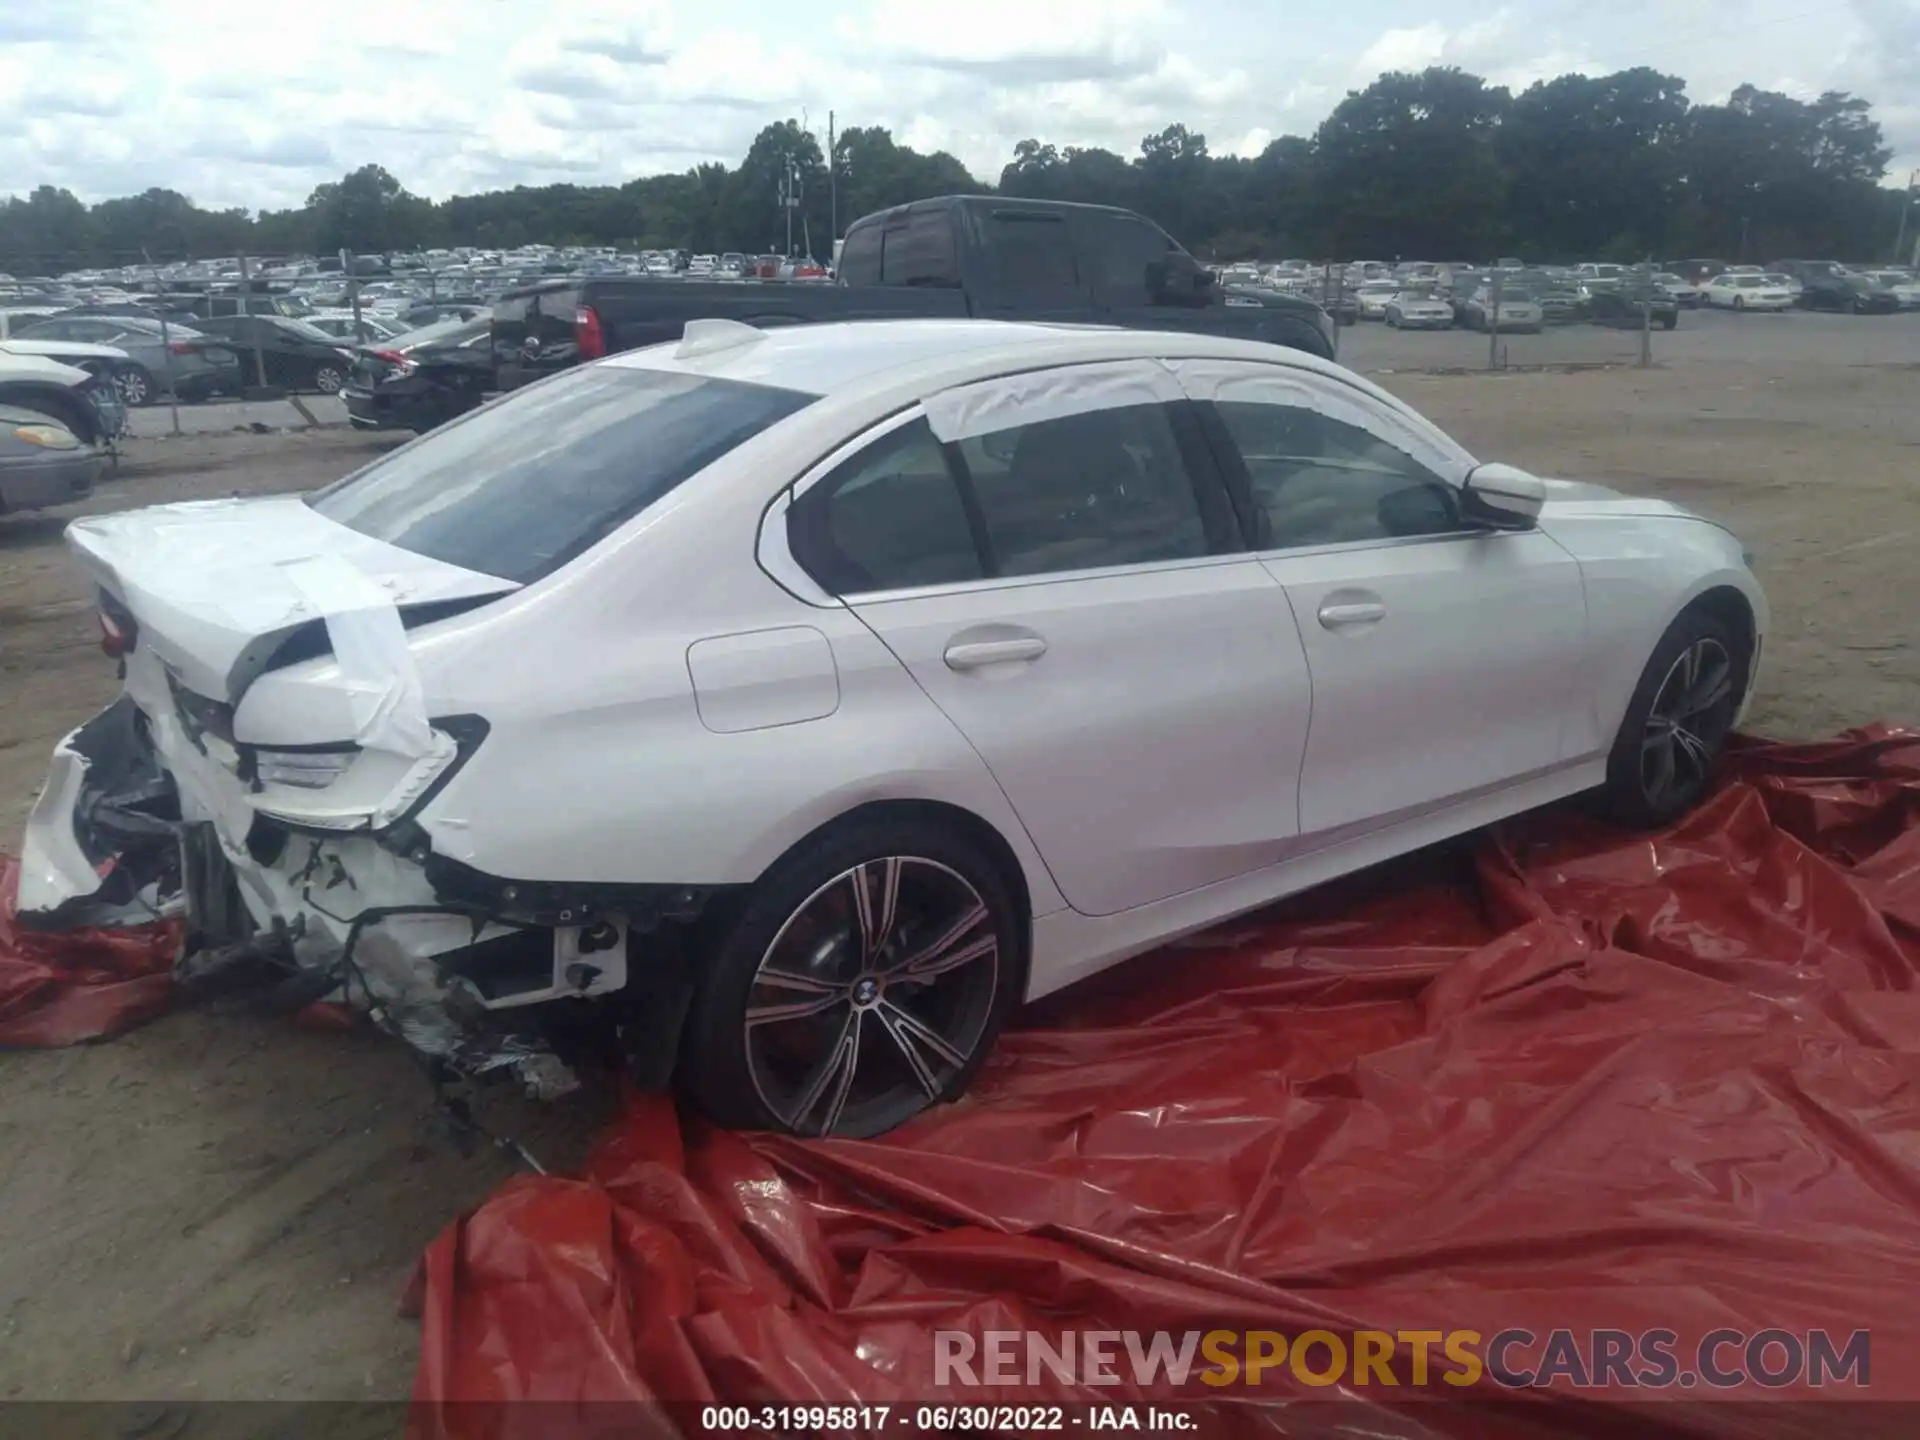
(780, 709)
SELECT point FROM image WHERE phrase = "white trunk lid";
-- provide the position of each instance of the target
(215, 585)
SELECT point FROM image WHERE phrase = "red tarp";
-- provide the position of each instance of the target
(1566, 1078)
(74, 985)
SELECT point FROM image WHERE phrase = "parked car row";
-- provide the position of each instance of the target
(1598, 291)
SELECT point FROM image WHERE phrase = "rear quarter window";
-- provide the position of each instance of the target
(519, 488)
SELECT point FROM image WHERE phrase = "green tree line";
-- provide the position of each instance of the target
(1434, 165)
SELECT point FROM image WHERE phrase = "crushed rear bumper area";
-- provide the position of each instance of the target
(131, 825)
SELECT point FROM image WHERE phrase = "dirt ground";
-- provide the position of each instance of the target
(223, 1206)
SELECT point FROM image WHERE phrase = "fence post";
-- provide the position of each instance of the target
(166, 342)
(353, 296)
(246, 308)
(1493, 319)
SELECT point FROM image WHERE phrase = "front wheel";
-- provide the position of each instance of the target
(328, 379)
(1668, 747)
(863, 980)
(1739, 302)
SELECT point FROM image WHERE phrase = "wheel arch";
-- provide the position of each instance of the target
(1731, 606)
(974, 826)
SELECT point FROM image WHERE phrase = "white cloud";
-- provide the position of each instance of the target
(111, 96)
(1253, 143)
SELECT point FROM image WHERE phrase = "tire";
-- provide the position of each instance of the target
(1653, 781)
(1667, 322)
(1739, 302)
(803, 920)
(1392, 323)
(328, 379)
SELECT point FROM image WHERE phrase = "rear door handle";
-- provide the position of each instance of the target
(1353, 612)
(971, 655)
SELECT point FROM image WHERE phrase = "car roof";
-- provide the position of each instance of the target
(842, 356)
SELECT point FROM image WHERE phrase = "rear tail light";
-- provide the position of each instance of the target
(179, 347)
(116, 637)
(396, 361)
(118, 630)
(588, 338)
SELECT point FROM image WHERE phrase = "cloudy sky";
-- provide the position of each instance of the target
(245, 102)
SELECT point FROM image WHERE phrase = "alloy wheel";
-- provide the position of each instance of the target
(1691, 715)
(133, 387)
(872, 998)
(328, 380)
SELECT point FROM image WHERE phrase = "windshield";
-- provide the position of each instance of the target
(519, 488)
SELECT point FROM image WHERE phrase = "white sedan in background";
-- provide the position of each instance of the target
(1419, 309)
(1746, 292)
(1373, 296)
(783, 708)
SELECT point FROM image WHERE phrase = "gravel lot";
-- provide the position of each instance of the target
(221, 1206)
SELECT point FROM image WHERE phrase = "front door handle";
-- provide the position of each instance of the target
(1353, 612)
(971, 655)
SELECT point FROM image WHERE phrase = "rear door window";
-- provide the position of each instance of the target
(1084, 492)
(519, 488)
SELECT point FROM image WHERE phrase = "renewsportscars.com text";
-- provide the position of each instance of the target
(1719, 1360)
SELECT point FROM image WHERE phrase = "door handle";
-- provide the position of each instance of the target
(1355, 612)
(971, 655)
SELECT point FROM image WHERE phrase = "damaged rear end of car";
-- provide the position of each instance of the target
(276, 770)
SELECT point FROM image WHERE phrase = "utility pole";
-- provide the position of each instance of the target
(1906, 204)
(833, 187)
(786, 197)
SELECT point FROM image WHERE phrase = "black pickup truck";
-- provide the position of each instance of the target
(958, 255)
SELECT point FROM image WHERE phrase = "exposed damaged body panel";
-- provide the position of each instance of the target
(305, 853)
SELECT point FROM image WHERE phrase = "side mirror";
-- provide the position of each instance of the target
(1504, 497)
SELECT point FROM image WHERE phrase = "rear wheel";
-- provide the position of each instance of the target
(1739, 302)
(864, 979)
(1668, 747)
(328, 379)
(135, 385)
